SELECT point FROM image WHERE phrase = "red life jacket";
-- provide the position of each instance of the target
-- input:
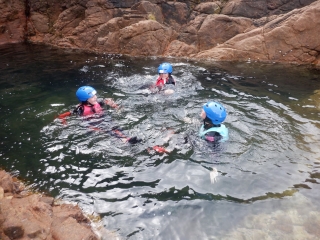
(89, 110)
(169, 80)
(160, 82)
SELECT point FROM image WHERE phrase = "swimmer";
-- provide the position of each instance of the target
(163, 81)
(212, 129)
(91, 107)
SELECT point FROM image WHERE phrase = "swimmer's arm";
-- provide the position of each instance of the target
(173, 80)
(77, 111)
(111, 103)
(63, 117)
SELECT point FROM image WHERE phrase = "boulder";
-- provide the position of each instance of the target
(12, 21)
(33, 216)
(209, 8)
(261, 8)
(175, 14)
(291, 37)
(180, 49)
(189, 33)
(153, 11)
(7, 184)
(145, 38)
(40, 22)
(217, 29)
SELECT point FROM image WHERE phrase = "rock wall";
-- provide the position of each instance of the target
(12, 21)
(242, 30)
(32, 216)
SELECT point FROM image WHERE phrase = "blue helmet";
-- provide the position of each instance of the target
(215, 112)
(165, 68)
(85, 92)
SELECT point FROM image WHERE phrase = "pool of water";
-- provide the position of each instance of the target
(268, 182)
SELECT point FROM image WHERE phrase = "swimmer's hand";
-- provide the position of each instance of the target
(168, 91)
(213, 175)
(119, 134)
(160, 149)
(111, 103)
(134, 140)
(154, 88)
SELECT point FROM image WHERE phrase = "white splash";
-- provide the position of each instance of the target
(57, 104)
(190, 120)
(213, 175)
(84, 69)
(119, 94)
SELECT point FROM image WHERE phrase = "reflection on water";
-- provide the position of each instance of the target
(267, 173)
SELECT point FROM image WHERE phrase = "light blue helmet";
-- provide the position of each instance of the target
(85, 92)
(165, 68)
(215, 112)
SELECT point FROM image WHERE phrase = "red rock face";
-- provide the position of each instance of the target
(31, 216)
(286, 38)
(277, 31)
(12, 21)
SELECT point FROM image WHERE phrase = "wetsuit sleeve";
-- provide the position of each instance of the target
(171, 80)
(101, 102)
(109, 102)
(78, 110)
(64, 115)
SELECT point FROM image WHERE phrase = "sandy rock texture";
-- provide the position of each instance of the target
(241, 30)
(32, 216)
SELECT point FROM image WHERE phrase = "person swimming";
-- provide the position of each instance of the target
(165, 76)
(165, 82)
(91, 107)
(212, 129)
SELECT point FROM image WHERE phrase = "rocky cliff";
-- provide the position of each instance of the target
(242, 30)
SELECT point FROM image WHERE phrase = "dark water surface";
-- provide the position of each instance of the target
(268, 183)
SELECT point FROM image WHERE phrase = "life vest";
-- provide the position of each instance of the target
(160, 81)
(222, 130)
(93, 109)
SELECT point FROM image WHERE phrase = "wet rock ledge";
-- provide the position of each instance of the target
(26, 215)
